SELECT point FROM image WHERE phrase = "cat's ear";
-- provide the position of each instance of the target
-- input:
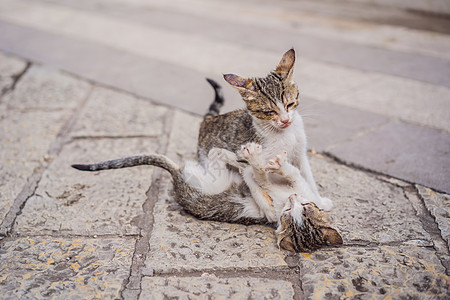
(286, 66)
(286, 244)
(332, 237)
(239, 82)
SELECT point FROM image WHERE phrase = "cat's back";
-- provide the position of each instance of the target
(228, 131)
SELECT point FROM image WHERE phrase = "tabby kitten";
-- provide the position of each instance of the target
(220, 194)
(270, 119)
(302, 226)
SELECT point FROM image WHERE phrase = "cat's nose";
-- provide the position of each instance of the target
(285, 123)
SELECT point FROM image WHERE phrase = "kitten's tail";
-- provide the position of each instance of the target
(157, 160)
(214, 108)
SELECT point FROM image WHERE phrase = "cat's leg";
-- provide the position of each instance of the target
(279, 165)
(252, 153)
(256, 179)
(305, 170)
(261, 198)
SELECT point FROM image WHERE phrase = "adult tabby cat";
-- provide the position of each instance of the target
(270, 119)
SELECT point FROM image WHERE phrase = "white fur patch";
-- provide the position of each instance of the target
(251, 209)
(209, 179)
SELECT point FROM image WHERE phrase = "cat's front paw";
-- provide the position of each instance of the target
(252, 153)
(324, 203)
(274, 165)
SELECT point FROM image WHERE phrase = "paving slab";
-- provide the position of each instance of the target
(28, 128)
(438, 204)
(408, 100)
(328, 124)
(324, 82)
(367, 209)
(70, 202)
(23, 135)
(43, 88)
(212, 287)
(110, 113)
(386, 272)
(10, 68)
(64, 268)
(410, 152)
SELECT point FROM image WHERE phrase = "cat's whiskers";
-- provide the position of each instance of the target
(308, 112)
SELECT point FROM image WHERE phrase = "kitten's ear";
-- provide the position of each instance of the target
(239, 82)
(332, 237)
(286, 66)
(286, 244)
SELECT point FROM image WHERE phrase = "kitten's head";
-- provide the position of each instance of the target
(271, 100)
(304, 228)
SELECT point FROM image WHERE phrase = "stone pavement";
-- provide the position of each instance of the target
(91, 80)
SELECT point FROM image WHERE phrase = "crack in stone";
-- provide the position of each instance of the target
(132, 285)
(427, 220)
(360, 243)
(430, 225)
(30, 187)
(288, 274)
(16, 77)
(359, 167)
(20, 201)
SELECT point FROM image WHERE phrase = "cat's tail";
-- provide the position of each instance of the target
(214, 108)
(157, 160)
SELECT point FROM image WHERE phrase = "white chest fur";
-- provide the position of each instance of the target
(291, 139)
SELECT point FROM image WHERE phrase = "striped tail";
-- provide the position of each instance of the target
(214, 108)
(157, 160)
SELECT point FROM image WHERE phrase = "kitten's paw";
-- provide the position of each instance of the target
(252, 153)
(324, 204)
(274, 165)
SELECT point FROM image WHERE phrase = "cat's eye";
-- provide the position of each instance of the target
(269, 112)
(290, 105)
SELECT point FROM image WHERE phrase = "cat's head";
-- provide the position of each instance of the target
(271, 100)
(304, 227)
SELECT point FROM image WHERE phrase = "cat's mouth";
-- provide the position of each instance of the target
(284, 125)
